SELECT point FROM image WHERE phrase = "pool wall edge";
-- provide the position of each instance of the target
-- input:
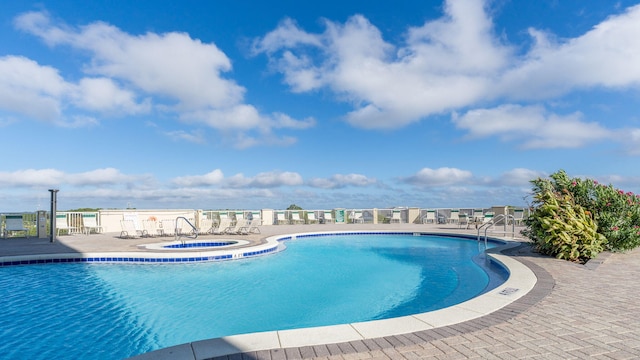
(521, 280)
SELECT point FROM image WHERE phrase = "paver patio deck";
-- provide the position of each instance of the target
(574, 312)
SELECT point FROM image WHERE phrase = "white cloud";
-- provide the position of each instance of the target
(56, 178)
(29, 88)
(607, 56)
(177, 73)
(454, 62)
(275, 179)
(519, 177)
(443, 176)
(214, 177)
(531, 126)
(444, 64)
(32, 177)
(342, 180)
(271, 179)
(99, 177)
(103, 94)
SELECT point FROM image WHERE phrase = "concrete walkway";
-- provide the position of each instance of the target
(574, 312)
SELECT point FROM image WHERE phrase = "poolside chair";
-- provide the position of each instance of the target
(463, 219)
(242, 228)
(239, 215)
(311, 218)
(14, 223)
(453, 218)
(62, 224)
(478, 215)
(254, 227)
(295, 218)
(140, 230)
(396, 217)
(168, 227)
(356, 217)
(222, 226)
(488, 217)
(327, 217)
(129, 230)
(430, 217)
(281, 218)
(518, 216)
(206, 226)
(151, 227)
(90, 223)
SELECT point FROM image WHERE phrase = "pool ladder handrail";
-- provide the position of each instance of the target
(179, 234)
(493, 221)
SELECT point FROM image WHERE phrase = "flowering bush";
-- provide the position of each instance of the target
(616, 213)
(561, 228)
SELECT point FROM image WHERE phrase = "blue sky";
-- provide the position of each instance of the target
(255, 104)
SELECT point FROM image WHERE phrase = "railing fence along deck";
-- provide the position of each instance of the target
(109, 219)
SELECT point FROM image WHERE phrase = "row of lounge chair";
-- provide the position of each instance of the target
(171, 227)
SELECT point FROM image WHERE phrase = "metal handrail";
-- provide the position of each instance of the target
(179, 234)
(493, 221)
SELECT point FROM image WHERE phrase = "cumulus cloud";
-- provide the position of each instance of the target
(606, 56)
(531, 126)
(53, 177)
(104, 95)
(519, 177)
(29, 88)
(271, 179)
(342, 180)
(454, 62)
(214, 177)
(443, 176)
(437, 69)
(171, 71)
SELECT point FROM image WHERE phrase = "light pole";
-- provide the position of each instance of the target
(53, 214)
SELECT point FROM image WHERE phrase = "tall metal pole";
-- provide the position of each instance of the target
(52, 220)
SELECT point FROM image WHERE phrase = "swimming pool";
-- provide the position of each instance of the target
(69, 310)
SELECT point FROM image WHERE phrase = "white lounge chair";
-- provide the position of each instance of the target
(396, 217)
(168, 227)
(90, 223)
(133, 217)
(311, 218)
(327, 217)
(206, 226)
(128, 230)
(224, 224)
(241, 227)
(281, 218)
(430, 217)
(518, 216)
(63, 224)
(295, 218)
(463, 219)
(453, 218)
(254, 227)
(14, 223)
(356, 217)
(478, 215)
(487, 217)
(151, 227)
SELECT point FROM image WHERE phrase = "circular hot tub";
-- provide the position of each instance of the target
(194, 245)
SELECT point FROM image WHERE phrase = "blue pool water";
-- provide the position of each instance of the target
(110, 311)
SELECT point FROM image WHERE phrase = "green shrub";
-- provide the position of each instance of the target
(616, 213)
(559, 227)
